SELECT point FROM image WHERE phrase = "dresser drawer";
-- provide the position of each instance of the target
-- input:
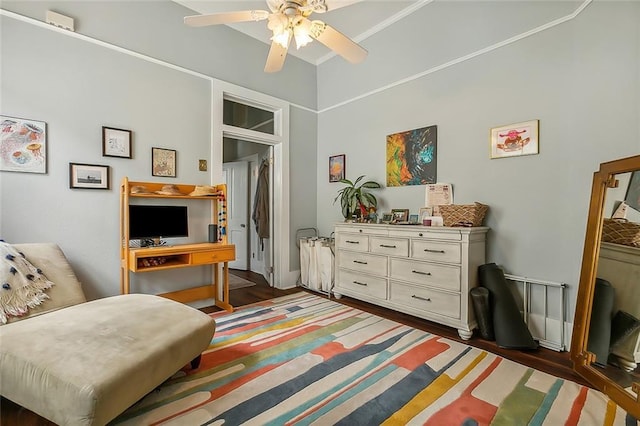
(213, 256)
(424, 273)
(390, 246)
(368, 229)
(436, 251)
(427, 232)
(364, 262)
(357, 242)
(361, 283)
(425, 299)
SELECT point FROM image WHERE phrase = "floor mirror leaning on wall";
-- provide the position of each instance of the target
(605, 347)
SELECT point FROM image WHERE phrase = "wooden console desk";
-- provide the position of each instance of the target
(147, 259)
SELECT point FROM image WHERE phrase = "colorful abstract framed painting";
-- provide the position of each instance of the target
(23, 145)
(337, 164)
(514, 140)
(163, 162)
(88, 176)
(116, 142)
(411, 157)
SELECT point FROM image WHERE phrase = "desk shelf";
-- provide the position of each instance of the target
(149, 259)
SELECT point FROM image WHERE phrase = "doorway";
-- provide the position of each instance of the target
(262, 119)
(242, 163)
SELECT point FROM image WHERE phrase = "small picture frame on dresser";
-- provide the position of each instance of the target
(386, 218)
(399, 215)
(413, 219)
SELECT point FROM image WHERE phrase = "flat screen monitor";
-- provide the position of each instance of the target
(157, 221)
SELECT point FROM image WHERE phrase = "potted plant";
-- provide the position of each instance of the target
(355, 199)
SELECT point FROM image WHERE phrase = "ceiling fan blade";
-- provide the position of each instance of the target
(336, 41)
(275, 60)
(225, 18)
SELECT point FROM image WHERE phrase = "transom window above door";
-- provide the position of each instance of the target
(248, 117)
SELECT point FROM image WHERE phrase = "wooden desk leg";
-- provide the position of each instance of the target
(224, 302)
(225, 283)
(216, 282)
(124, 281)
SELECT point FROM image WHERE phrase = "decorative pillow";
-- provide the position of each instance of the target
(22, 285)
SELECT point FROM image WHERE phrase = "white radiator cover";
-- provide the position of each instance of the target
(542, 306)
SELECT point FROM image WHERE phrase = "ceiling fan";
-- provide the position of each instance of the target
(289, 19)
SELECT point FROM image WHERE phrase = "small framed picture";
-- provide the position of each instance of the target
(163, 162)
(336, 168)
(514, 140)
(88, 176)
(399, 215)
(413, 218)
(386, 218)
(116, 142)
(425, 212)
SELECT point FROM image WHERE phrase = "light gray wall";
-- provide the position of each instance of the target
(76, 87)
(581, 83)
(302, 166)
(156, 28)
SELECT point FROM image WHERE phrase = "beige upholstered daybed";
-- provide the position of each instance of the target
(83, 363)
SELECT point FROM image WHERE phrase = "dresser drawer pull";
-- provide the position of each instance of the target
(421, 273)
(387, 246)
(426, 299)
(360, 262)
(359, 283)
(434, 251)
(352, 242)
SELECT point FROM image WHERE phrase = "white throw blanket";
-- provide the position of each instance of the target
(22, 285)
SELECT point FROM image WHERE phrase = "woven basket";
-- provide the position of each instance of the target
(620, 231)
(463, 214)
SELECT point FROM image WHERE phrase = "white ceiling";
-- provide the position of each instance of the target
(357, 19)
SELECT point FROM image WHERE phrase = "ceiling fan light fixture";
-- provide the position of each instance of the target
(282, 38)
(277, 23)
(302, 37)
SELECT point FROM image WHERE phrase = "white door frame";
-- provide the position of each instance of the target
(282, 275)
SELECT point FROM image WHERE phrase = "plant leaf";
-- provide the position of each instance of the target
(369, 199)
(370, 184)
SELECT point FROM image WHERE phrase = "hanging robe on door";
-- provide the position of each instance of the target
(260, 213)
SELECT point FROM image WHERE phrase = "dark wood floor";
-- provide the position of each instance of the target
(556, 363)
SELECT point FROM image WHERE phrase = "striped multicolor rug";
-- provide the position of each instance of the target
(302, 359)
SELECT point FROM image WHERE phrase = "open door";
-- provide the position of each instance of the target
(236, 176)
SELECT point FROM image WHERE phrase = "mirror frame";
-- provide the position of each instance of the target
(582, 359)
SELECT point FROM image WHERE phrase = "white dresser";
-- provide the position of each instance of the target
(419, 270)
